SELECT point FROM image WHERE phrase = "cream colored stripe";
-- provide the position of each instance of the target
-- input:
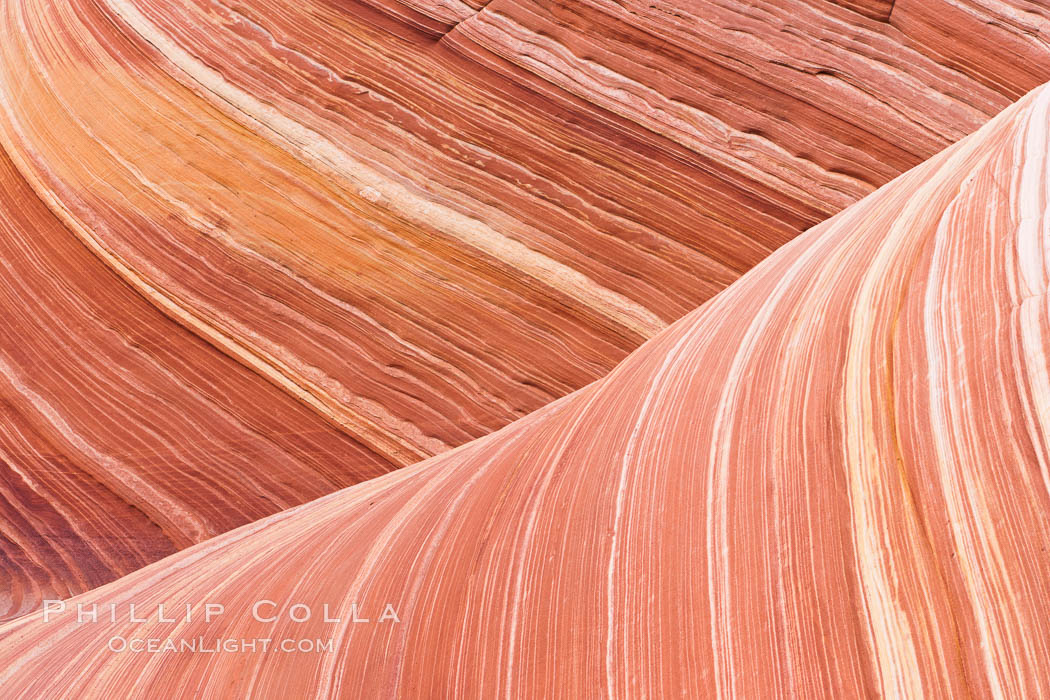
(368, 432)
(879, 566)
(310, 146)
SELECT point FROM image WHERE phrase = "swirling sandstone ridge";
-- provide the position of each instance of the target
(258, 251)
(832, 479)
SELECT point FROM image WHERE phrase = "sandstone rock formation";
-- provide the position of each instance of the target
(831, 480)
(258, 251)
(1006, 40)
(123, 435)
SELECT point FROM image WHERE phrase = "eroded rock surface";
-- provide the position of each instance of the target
(258, 251)
(831, 480)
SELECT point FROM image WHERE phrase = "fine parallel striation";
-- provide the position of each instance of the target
(123, 436)
(434, 17)
(816, 103)
(875, 9)
(831, 480)
(374, 231)
(1006, 41)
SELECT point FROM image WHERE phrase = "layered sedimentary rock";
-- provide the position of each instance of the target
(1007, 41)
(123, 435)
(435, 17)
(815, 102)
(258, 251)
(830, 480)
(875, 9)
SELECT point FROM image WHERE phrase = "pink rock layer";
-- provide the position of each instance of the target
(258, 251)
(832, 480)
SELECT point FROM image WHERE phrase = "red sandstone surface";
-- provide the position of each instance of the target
(260, 251)
(256, 252)
(831, 480)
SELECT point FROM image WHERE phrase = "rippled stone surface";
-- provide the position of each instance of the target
(831, 480)
(255, 252)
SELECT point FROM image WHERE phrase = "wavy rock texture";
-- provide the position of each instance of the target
(875, 9)
(434, 17)
(1007, 40)
(816, 103)
(830, 480)
(124, 436)
(258, 251)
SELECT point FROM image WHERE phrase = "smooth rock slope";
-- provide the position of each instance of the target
(829, 481)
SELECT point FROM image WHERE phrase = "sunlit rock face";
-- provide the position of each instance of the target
(257, 252)
(831, 480)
